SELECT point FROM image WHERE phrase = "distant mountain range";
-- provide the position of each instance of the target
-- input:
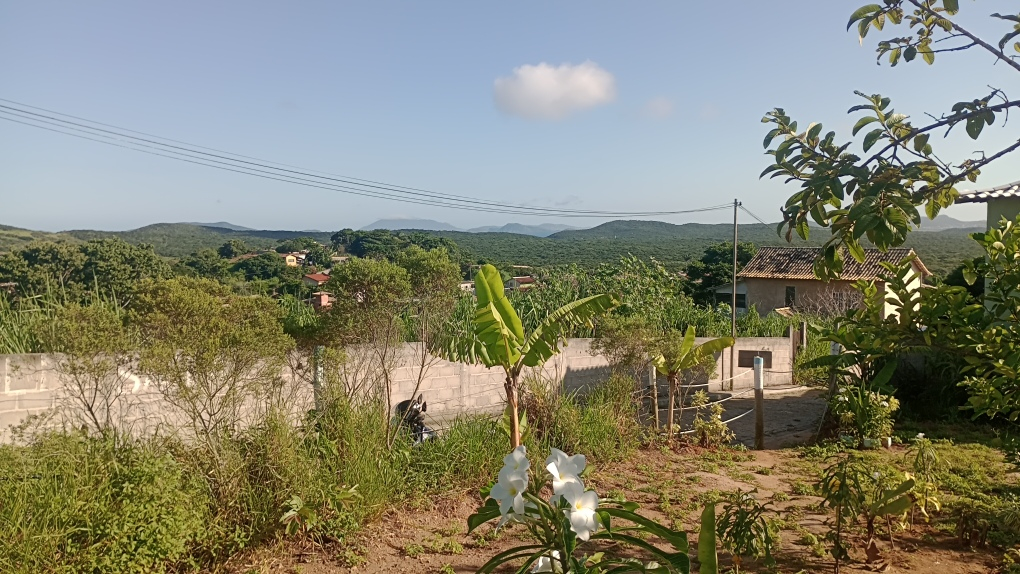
(943, 222)
(541, 230)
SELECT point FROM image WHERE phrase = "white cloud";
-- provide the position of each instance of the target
(546, 92)
(658, 108)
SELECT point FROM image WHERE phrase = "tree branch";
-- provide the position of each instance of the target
(973, 38)
(953, 119)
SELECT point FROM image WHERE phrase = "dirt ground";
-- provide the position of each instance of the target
(671, 486)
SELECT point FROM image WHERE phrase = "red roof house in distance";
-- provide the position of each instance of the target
(517, 283)
(315, 279)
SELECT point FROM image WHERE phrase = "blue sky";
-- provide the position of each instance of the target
(406, 93)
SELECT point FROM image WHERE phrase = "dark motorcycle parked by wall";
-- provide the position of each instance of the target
(411, 415)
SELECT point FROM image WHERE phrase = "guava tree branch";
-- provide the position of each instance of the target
(960, 29)
(949, 120)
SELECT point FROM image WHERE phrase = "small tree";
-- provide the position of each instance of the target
(214, 356)
(96, 355)
(677, 354)
(233, 248)
(498, 339)
(367, 318)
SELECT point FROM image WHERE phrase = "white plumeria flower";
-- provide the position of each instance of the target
(885, 404)
(564, 469)
(583, 504)
(548, 564)
(920, 435)
(517, 461)
(509, 492)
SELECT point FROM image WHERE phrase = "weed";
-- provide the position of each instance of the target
(414, 550)
(801, 488)
(744, 530)
(780, 496)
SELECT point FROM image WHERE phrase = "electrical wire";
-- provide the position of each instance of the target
(367, 188)
(749, 212)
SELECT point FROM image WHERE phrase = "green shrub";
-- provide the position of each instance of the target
(96, 505)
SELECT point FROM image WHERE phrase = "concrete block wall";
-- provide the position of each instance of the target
(32, 384)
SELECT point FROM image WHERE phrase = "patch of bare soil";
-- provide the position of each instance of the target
(671, 487)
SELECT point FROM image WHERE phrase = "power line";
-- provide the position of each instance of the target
(366, 188)
(180, 156)
(760, 220)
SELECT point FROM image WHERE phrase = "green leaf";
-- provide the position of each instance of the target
(951, 6)
(910, 53)
(497, 325)
(676, 538)
(920, 142)
(928, 55)
(969, 275)
(885, 375)
(863, 122)
(707, 555)
(512, 554)
(872, 137)
(771, 136)
(544, 341)
(862, 12)
(894, 56)
(484, 514)
(974, 126)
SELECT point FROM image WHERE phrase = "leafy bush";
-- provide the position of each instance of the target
(744, 530)
(709, 429)
(864, 414)
(97, 505)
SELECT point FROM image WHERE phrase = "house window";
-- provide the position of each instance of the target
(791, 296)
(726, 298)
(745, 359)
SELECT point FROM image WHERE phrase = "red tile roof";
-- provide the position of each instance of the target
(797, 263)
(320, 277)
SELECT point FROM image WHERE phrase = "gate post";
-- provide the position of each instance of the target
(759, 404)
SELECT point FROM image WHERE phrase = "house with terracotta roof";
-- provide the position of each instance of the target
(519, 283)
(782, 278)
(315, 279)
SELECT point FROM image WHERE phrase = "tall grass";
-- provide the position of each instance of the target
(602, 425)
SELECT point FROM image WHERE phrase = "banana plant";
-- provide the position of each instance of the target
(678, 355)
(497, 337)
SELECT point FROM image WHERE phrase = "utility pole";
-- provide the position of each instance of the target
(733, 302)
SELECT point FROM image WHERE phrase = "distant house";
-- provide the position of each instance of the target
(338, 259)
(315, 279)
(467, 286)
(290, 259)
(782, 278)
(321, 300)
(1003, 201)
(520, 283)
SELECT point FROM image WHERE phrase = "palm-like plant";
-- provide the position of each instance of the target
(677, 355)
(497, 338)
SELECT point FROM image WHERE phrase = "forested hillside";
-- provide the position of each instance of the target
(673, 245)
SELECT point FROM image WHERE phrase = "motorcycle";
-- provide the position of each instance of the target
(411, 413)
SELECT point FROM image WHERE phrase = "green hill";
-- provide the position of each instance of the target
(180, 239)
(674, 245)
(12, 238)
